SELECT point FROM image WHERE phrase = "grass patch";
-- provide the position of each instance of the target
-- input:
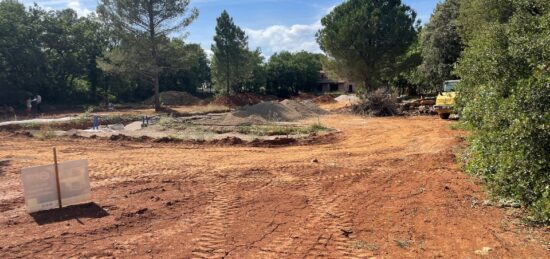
(45, 133)
(403, 243)
(365, 245)
(169, 122)
(279, 130)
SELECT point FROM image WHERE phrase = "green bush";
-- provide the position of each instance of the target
(505, 100)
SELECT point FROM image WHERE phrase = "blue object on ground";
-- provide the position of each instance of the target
(95, 123)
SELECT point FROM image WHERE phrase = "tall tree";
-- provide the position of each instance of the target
(231, 53)
(93, 41)
(441, 44)
(367, 37)
(143, 24)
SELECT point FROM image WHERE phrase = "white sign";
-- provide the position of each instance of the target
(40, 187)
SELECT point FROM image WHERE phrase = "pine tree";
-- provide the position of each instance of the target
(230, 50)
(142, 25)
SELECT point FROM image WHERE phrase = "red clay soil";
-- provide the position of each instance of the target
(325, 98)
(388, 188)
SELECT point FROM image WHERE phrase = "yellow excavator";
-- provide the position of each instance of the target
(445, 101)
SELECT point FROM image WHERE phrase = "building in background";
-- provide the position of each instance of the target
(327, 85)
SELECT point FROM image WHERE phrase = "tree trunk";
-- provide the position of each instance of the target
(156, 86)
(93, 78)
(227, 65)
(154, 55)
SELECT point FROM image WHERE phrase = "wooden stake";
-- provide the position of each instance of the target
(57, 178)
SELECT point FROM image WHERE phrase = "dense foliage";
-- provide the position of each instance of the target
(79, 60)
(366, 38)
(52, 53)
(441, 45)
(289, 73)
(505, 97)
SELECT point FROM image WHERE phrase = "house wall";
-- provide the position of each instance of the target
(345, 88)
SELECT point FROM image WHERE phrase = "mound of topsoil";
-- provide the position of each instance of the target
(241, 99)
(287, 110)
(325, 98)
(175, 98)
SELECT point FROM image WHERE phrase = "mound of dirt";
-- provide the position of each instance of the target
(326, 98)
(287, 110)
(304, 108)
(175, 98)
(304, 96)
(241, 99)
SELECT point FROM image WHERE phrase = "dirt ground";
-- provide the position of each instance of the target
(385, 188)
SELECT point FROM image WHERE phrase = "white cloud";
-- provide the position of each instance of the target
(75, 5)
(278, 38)
(61, 4)
(292, 38)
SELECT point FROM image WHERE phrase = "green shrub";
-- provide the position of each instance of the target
(505, 100)
(316, 127)
(279, 130)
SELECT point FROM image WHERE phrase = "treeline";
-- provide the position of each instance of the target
(501, 52)
(108, 57)
(56, 54)
(237, 69)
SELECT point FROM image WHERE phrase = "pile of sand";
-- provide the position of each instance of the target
(175, 98)
(287, 110)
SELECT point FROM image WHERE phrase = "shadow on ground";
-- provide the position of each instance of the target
(90, 210)
(3, 163)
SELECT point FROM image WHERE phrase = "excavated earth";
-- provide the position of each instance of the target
(386, 188)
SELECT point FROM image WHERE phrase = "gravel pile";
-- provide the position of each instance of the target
(287, 110)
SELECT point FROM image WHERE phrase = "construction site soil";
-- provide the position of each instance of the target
(385, 188)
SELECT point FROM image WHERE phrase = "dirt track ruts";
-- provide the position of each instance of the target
(386, 188)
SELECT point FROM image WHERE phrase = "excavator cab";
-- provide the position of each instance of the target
(445, 101)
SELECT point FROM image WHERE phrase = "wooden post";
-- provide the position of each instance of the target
(57, 178)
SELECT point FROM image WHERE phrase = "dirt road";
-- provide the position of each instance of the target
(386, 188)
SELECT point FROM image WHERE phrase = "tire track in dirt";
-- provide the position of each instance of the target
(337, 220)
(328, 216)
(219, 215)
(335, 225)
(285, 245)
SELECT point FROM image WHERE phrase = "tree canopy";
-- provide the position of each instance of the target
(231, 56)
(441, 44)
(288, 73)
(365, 38)
(51, 53)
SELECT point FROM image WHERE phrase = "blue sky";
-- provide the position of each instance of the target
(272, 25)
